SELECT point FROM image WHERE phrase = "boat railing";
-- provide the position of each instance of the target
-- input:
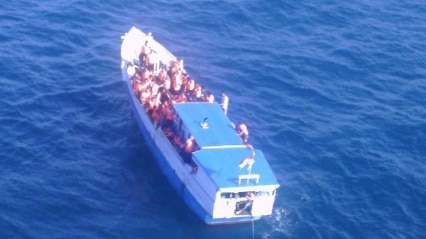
(248, 177)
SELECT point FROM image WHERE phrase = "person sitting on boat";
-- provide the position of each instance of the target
(178, 143)
(199, 96)
(167, 84)
(209, 97)
(181, 98)
(243, 131)
(170, 134)
(145, 75)
(156, 116)
(151, 105)
(177, 84)
(163, 96)
(161, 76)
(245, 206)
(189, 89)
(155, 88)
(173, 69)
(145, 95)
(136, 87)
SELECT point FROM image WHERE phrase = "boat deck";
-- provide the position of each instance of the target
(222, 167)
(219, 131)
(221, 149)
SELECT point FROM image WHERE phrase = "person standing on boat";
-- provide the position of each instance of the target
(143, 55)
(187, 157)
(151, 61)
(243, 131)
(224, 103)
(189, 146)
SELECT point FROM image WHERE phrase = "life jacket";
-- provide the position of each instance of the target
(145, 75)
(181, 98)
(163, 109)
(161, 75)
(189, 146)
(177, 82)
(151, 103)
(190, 85)
(242, 129)
(210, 98)
(136, 87)
(173, 69)
(167, 83)
(154, 88)
(170, 115)
(199, 92)
(145, 96)
(156, 116)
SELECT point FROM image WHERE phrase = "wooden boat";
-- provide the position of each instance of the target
(212, 166)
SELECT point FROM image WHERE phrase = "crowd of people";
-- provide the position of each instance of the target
(158, 86)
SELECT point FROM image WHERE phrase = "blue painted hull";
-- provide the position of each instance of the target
(167, 170)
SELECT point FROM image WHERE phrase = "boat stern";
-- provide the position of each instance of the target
(244, 204)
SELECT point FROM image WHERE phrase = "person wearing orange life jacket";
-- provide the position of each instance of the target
(181, 98)
(145, 95)
(199, 93)
(162, 76)
(173, 69)
(150, 106)
(136, 88)
(177, 84)
(156, 116)
(145, 75)
(167, 84)
(243, 131)
(189, 84)
(155, 87)
(209, 97)
(169, 133)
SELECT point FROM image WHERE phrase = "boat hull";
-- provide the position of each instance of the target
(210, 180)
(157, 147)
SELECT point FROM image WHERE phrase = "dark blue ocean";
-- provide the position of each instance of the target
(333, 92)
